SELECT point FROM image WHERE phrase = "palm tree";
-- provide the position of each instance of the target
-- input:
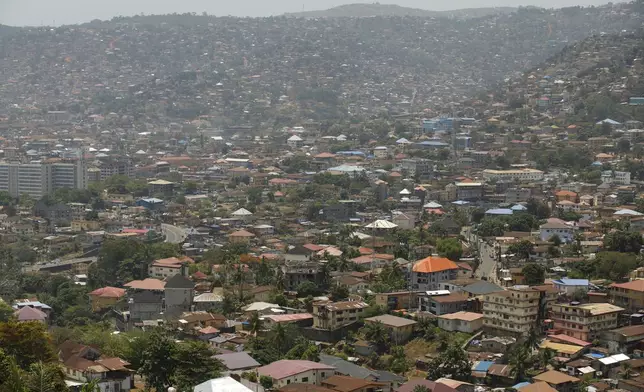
(255, 323)
(546, 356)
(44, 377)
(376, 334)
(626, 370)
(91, 386)
(532, 340)
(279, 338)
(518, 363)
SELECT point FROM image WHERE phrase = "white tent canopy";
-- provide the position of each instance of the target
(381, 224)
(242, 212)
(432, 204)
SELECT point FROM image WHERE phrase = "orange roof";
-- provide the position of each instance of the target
(241, 233)
(434, 264)
(325, 155)
(635, 285)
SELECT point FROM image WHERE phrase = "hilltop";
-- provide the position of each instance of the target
(279, 70)
(376, 9)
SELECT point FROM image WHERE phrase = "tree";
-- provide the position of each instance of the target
(538, 209)
(339, 292)
(519, 363)
(307, 288)
(6, 312)
(623, 241)
(420, 388)
(453, 362)
(626, 370)
(522, 249)
(555, 239)
(546, 357)
(450, 248)
(255, 323)
(27, 342)
(377, 334)
(266, 382)
(398, 363)
(534, 274)
(44, 377)
(623, 146)
(158, 361)
(194, 364)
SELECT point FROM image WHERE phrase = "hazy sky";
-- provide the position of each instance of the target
(57, 12)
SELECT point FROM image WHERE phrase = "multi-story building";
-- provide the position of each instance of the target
(84, 363)
(471, 191)
(517, 195)
(513, 312)
(298, 272)
(584, 321)
(629, 295)
(112, 167)
(333, 315)
(616, 177)
(428, 273)
(39, 179)
(417, 166)
(520, 175)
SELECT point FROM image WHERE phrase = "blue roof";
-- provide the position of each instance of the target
(483, 366)
(33, 304)
(571, 282)
(460, 202)
(596, 163)
(152, 200)
(596, 355)
(519, 207)
(350, 153)
(499, 211)
(521, 385)
(433, 143)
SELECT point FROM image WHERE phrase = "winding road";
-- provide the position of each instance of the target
(173, 234)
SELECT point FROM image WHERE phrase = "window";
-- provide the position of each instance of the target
(288, 381)
(322, 374)
(305, 379)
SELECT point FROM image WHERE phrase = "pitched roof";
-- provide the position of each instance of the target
(222, 384)
(235, 361)
(146, 284)
(431, 385)
(434, 264)
(464, 316)
(391, 321)
(108, 292)
(347, 368)
(287, 367)
(635, 285)
(482, 287)
(28, 313)
(241, 233)
(555, 377)
(537, 387)
(449, 298)
(348, 383)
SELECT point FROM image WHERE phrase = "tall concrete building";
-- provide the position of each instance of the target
(39, 179)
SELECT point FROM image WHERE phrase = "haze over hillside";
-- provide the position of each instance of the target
(47, 12)
(376, 9)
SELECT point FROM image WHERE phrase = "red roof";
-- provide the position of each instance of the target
(570, 339)
(242, 233)
(199, 275)
(434, 264)
(108, 292)
(313, 247)
(635, 285)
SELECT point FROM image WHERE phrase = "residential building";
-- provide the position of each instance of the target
(287, 372)
(467, 322)
(27, 314)
(56, 213)
(559, 381)
(570, 286)
(470, 191)
(512, 312)
(629, 295)
(105, 297)
(298, 272)
(351, 384)
(551, 228)
(517, 195)
(417, 166)
(145, 300)
(616, 177)
(238, 362)
(519, 175)
(84, 363)
(398, 299)
(623, 340)
(444, 304)
(164, 268)
(428, 273)
(85, 225)
(115, 166)
(178, 294)
(399, 328)
(584, 321)
(333, 315)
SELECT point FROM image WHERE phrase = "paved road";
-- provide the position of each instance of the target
(487, 264)
(173, 234)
